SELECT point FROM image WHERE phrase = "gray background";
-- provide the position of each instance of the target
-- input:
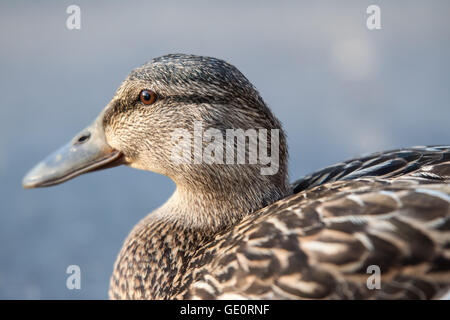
(339, 89)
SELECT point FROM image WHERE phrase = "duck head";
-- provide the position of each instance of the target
(166, 95)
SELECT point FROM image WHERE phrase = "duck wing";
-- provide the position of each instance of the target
(416, 161)
(377, 227)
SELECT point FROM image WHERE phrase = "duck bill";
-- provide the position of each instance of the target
(87, 151)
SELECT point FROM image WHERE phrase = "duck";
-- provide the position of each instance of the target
(373, 227)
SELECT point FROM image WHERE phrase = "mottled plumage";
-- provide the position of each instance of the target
(316, 243)
(230, 232)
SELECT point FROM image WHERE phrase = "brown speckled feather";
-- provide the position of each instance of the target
(319, 242)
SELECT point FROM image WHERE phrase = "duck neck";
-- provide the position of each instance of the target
(212, 208)
(156, 256)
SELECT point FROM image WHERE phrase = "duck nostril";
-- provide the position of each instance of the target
(83, 138)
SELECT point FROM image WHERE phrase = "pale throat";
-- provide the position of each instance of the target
(211, 208)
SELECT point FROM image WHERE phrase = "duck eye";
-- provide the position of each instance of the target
(147, 97)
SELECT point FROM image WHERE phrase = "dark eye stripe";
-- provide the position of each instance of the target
(197, 99)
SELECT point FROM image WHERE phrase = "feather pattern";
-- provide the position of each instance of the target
(390, 210)
(320, 242)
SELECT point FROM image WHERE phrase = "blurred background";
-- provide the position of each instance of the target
(340, 90)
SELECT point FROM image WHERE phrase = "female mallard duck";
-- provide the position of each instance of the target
(229, 231)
